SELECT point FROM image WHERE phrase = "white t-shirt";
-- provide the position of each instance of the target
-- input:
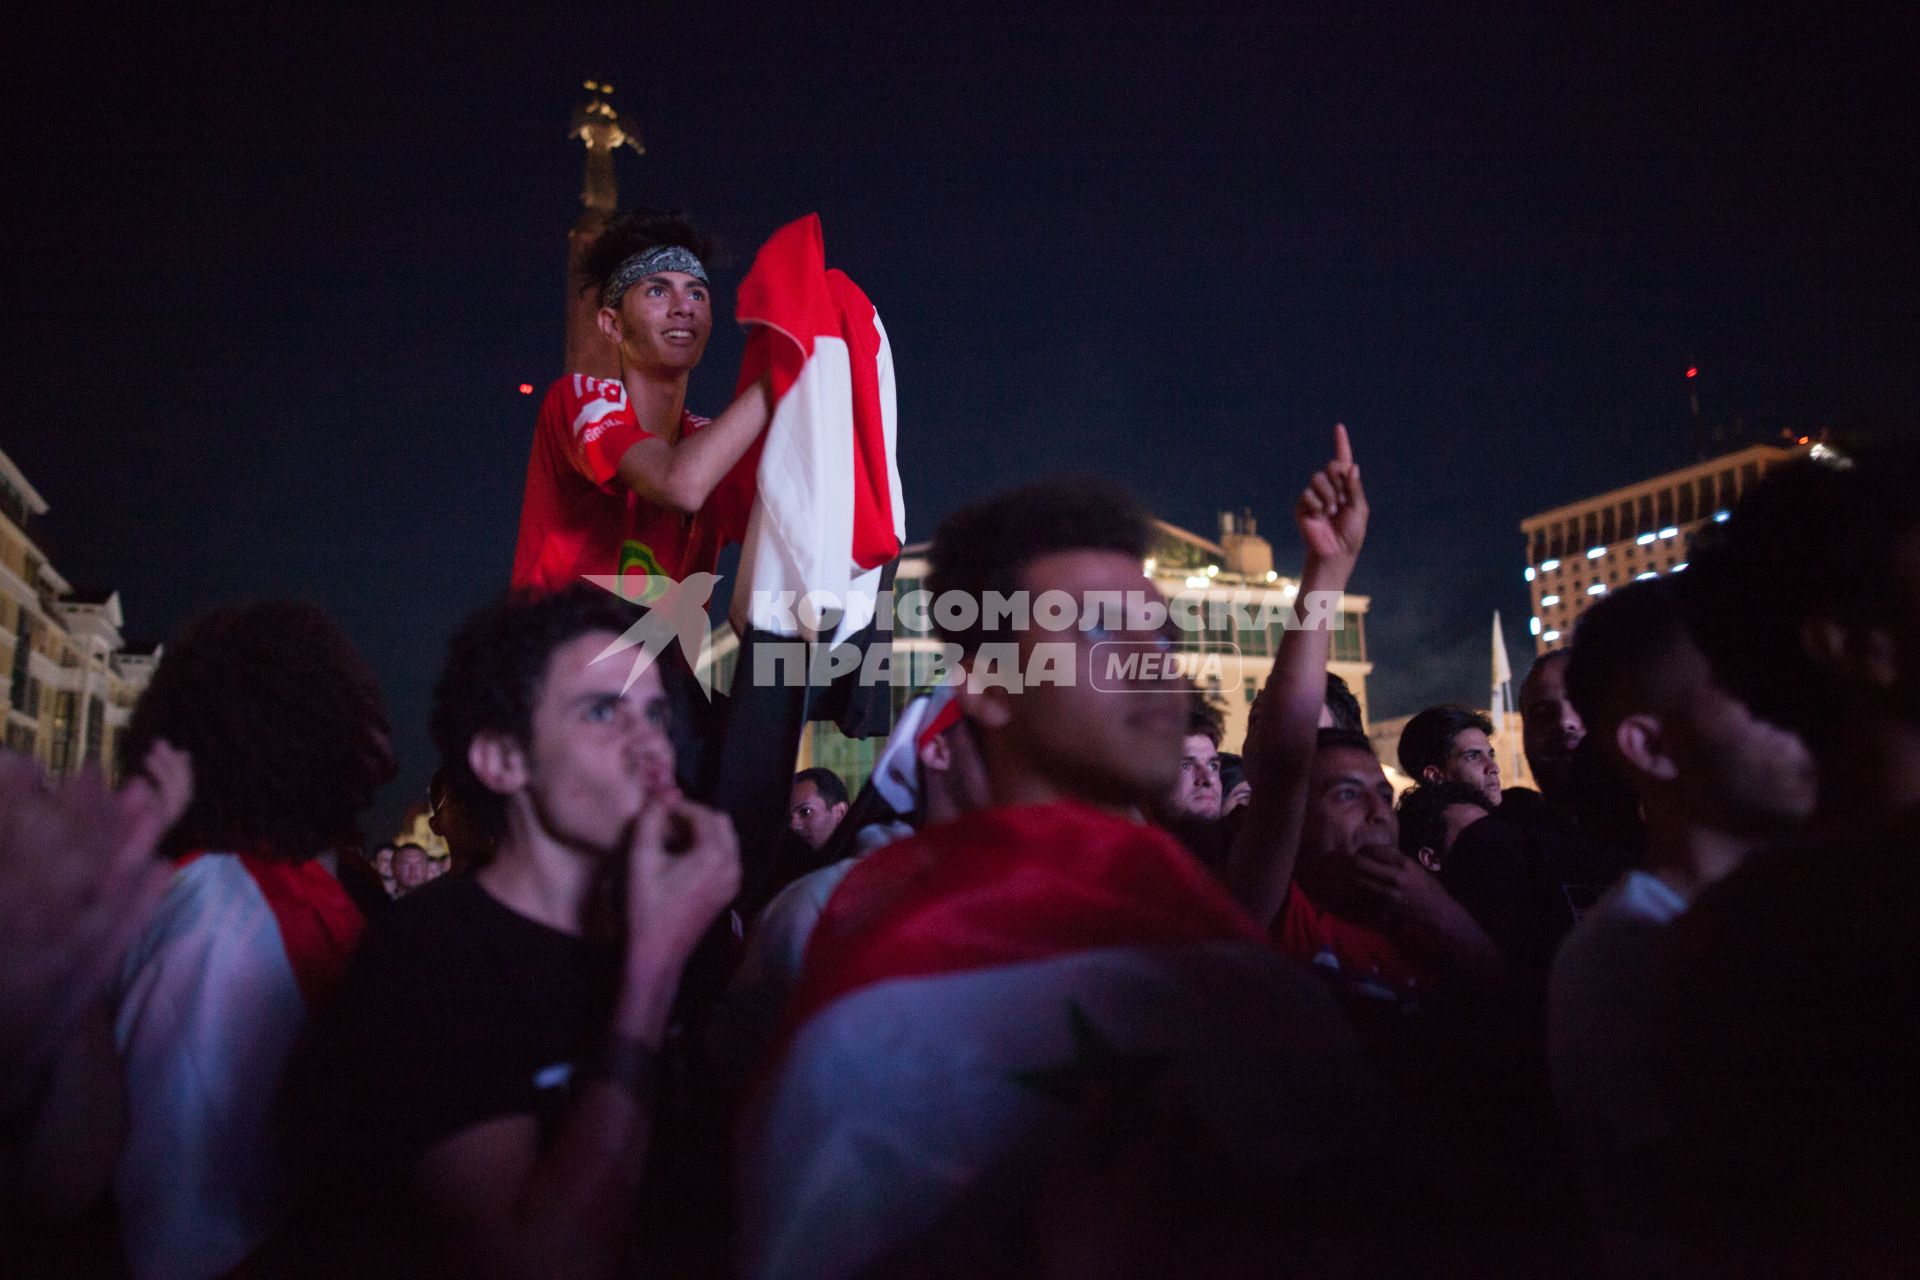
(1600, 1009)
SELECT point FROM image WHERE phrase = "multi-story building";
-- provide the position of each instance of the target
(1230, 662)
(71, 680)
(1585, 549)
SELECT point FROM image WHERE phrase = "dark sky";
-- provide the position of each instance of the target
(272, 278)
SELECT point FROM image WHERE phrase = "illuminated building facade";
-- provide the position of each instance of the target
(71, 681)
(1579, 552)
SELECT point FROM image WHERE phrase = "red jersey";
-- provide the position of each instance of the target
(1362, 956)
(577, 518)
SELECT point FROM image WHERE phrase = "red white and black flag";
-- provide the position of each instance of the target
(829, 512)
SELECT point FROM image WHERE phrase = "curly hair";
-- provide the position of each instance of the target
(496, 666)
(1205, 718)
(636, 231)
(983, 547)
(285, 723)
(1343, 706)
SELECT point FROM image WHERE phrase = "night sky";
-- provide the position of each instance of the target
(272, 279)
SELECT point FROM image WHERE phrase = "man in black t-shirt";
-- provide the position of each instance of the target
(488, 1078)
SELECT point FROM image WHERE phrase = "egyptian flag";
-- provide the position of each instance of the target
(829, 512)
(1037, 1026)
(212, 999)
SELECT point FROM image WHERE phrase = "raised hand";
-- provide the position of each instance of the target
(1332, 511)
(683, 868)
(1413, 899)
(78, 878)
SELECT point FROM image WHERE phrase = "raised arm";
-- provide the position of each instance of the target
(505, 1208)
(1332, 518)
(681, 475)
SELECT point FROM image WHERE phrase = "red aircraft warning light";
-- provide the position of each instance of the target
(1692, 371)
(526, 388)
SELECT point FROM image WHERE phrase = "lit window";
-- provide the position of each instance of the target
(1681, 567)
(1720, 517)
(1594, 553)
(1533, 626)
(1643, 540)
(1550, 636)
(1548, 566)
(1547, 602)
(1644, 576)
(1530, 574)
(1597, 589)
(1669, 532)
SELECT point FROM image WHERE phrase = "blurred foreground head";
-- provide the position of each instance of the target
(1808, 600)
(285, 723)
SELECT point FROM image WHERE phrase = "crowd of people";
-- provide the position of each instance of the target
(1063, 990)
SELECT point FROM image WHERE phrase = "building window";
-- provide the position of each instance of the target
(22, 649)
(96, 728)
(1349, 642)
(60, 752)
(850, 758)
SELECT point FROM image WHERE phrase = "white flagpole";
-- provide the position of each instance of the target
(1513, 759)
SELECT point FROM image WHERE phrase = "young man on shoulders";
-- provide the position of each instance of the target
(491, 1077)
(623, 479)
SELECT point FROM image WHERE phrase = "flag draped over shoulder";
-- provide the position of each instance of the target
(829, 512)
(1024, 994)
(213, 997)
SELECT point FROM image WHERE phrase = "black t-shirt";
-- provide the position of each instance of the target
(1787, 1035)
(455, 1011)
(1526, 874)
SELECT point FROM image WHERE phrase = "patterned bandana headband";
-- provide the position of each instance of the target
(668, 257)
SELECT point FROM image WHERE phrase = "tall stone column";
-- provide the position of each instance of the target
(604, 131)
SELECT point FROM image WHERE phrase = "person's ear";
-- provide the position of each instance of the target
(838, 811)
(609, 321)
(498, 761)
(1429, 859)
(1642, 742)
(1432, 773)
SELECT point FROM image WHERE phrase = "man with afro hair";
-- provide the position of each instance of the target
(288, 735)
